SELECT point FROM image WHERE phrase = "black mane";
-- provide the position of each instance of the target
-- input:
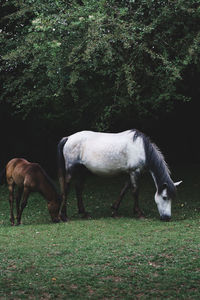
(156, 164)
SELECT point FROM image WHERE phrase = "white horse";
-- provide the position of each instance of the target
(109, 154)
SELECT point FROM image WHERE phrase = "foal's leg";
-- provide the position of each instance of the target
(116, 204)
(11, 200)
(135, 189)
(25, 195)
(18, 198)
(79, 185)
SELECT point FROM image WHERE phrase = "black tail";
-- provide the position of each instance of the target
(3, 176)
(60, 157)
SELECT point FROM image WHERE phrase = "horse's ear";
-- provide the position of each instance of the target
(177, 183)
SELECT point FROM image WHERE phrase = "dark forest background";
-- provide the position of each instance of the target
(101, 65)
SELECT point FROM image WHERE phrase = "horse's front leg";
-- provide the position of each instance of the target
(11, 200)
(135, 189)
(116, 204)
(79, 185)
(65, 186)
(136, 208)
(25, 195)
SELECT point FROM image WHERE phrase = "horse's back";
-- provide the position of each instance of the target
(23, 172)
(102, 153)
(14, 164)
(97, 139)
(84, 143)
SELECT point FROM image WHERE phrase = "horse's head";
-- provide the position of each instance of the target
(54, 207)
(163, 201)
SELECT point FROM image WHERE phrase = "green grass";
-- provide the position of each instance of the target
(104, 258)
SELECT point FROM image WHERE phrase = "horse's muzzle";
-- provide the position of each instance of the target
(165, 218)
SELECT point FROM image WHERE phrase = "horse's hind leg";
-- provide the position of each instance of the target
(18, 198)
(64, 185)
(79, 185)
(116, 204)
(25, 195)
(11, 187)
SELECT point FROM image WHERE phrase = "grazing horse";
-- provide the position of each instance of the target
(109, 154)
(30, 177)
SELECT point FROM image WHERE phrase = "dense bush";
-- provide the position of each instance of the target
(88, 64)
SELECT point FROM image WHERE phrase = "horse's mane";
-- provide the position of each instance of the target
(156, 163)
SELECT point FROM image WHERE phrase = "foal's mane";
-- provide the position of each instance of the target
(156, 163)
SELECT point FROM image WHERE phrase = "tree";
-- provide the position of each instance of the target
(91, 64)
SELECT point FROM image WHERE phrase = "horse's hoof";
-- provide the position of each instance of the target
(140, 216)
(12, 222)
(86, 215)
(64, 219)
(56, 221)
(114, 214)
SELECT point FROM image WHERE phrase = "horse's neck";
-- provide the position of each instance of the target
(48, 191)
(156, 165)
(154, 179)
(160, 179)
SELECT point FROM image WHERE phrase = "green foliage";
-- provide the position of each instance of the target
(91, 63)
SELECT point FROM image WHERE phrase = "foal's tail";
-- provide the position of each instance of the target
(3, 176)
(60, 159)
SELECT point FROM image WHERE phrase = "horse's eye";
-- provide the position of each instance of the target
(164, 198)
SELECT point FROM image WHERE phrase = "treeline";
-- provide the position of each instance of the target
(93, 63)
(90, 64)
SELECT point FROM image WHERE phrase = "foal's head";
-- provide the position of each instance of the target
(163, 200)
(49, 191)
(54, 207)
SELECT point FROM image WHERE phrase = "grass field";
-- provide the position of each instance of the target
(104, 258)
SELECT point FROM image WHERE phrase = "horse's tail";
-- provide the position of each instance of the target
(60, 159)
(3, 176)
